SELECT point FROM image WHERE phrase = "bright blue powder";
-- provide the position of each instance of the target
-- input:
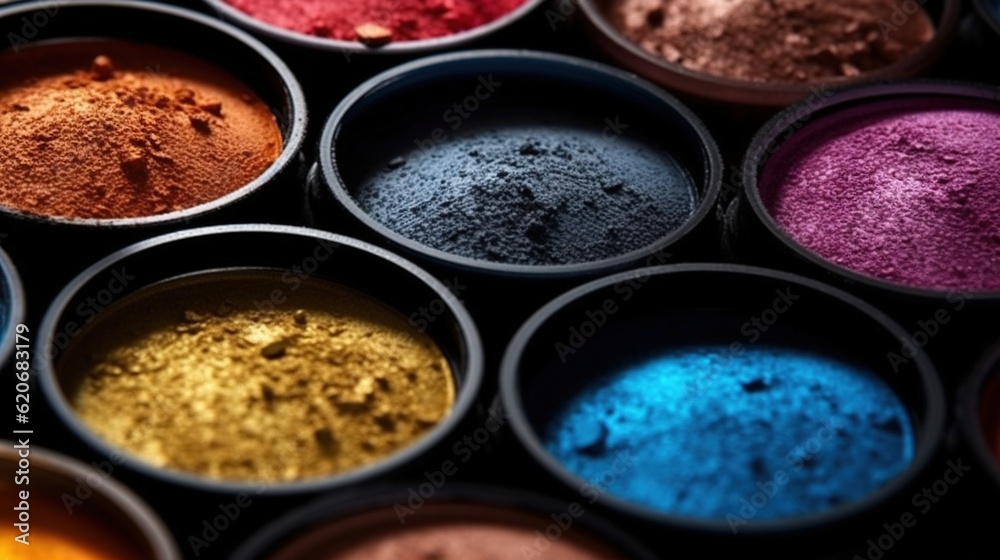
(706, 429)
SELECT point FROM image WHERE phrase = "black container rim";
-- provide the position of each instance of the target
(331, 177)
(931, 432)
(464, 402)
(291, 144)
(942, 36)
(799, 115)
(153, 529)
(990, 14)
(986, 371)
(351, 48)
(10, 283)
(331, 509)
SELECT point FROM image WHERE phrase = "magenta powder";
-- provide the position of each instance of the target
(906, 190)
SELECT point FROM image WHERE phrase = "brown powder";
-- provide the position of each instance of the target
(197, 375)
(774, 40)
(448, 531)
(112, 129)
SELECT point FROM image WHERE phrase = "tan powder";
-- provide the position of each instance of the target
(191, 375)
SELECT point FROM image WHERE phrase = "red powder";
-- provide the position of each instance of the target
(406, 20)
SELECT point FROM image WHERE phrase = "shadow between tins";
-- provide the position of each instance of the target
(981, 394)
(989, 11)
(12, 304)
(364, 267)
(537, 81)
(801, 115)
(191, 33)
(683, 303)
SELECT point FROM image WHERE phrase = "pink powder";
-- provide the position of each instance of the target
(406, 20)
(906, 191)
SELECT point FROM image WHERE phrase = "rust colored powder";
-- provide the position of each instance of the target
(377, 22)
(774, 40)
(111, 129)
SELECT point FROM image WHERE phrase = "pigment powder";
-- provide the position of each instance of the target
(444, 531)
(903, 191)
(773, 40)
(113, 129)
(388, 20)
(704, 429)
(536, 194)
(54, 533)
(197, 375)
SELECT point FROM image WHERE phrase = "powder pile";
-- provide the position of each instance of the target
(773, 40)
(358, 20)
(55, 533)
(706, 429)
(112, 129)
(199, 376)
(445, 531)
(902, 190)
(531, 194)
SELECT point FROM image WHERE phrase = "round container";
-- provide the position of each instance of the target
(754, 235)
(616, 322)
(78, 241)
(980, 35)
(700, 85)
(311, 531)
(11, 307)
(348, 49)
(500, 91)
(99, 508)
(979, 417)
(297, 254)
(989, 11)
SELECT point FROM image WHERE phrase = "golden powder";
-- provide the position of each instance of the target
(204, 375)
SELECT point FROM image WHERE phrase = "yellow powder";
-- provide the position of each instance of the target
(197, 375)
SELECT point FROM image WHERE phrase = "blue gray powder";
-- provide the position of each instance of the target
(532, 194)
(707, 430)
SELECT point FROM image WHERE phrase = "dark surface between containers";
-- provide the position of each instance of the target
(953, 527)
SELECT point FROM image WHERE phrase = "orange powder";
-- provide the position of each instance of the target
(55, 533)
(112, 129)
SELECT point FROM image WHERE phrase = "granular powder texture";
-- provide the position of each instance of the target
(704, 430)
(532, 194)
(111, 129)
(773, 40)
(904, 191)
(196, 375)
(358, 20)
